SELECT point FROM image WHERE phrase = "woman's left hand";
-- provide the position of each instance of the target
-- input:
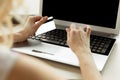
(31, 26)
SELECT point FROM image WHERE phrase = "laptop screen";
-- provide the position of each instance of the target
(101, 13)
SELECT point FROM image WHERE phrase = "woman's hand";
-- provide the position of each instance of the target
(31, 26)
(78, 39)
(33, 23)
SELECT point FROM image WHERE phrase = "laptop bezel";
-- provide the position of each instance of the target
(115, 31)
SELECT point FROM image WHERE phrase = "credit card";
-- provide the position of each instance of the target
(47, 26)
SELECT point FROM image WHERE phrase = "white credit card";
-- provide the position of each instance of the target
(47, 26)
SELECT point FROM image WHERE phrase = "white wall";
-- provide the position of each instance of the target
(32, 7)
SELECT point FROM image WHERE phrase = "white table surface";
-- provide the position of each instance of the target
(111, 70)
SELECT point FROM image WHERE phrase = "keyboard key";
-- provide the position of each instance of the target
(98, 44)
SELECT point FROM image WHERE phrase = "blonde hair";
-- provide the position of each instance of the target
(6, 25)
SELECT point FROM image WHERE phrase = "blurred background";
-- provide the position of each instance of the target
(31, 7)
(27, 8)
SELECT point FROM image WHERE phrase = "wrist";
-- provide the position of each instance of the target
(83, 52)
(18, 36)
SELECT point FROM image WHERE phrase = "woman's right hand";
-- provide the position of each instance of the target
(78, 39)
(31, 26)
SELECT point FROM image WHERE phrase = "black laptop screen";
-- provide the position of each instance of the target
(94, 12)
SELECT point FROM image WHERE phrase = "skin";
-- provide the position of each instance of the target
(27, 67)
(30, 68)
(78, 40)
(31, 26)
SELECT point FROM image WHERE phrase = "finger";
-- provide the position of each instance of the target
(88, 30)
(73, 26)
(33, 19)
(68, 33)
(37, 18)
(39, 23)
(80, 29)
(44, 19)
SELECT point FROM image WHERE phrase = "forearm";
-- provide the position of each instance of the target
(18, 36)
(88, 68)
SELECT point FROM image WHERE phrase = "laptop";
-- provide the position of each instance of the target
(102, 15)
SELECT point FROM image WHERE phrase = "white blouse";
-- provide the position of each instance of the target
(7, 60)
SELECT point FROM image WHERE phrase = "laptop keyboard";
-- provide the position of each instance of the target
(98, 44)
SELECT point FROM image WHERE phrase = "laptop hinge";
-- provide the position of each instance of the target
(109, 35)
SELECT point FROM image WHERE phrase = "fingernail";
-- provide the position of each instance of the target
(73, 24)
